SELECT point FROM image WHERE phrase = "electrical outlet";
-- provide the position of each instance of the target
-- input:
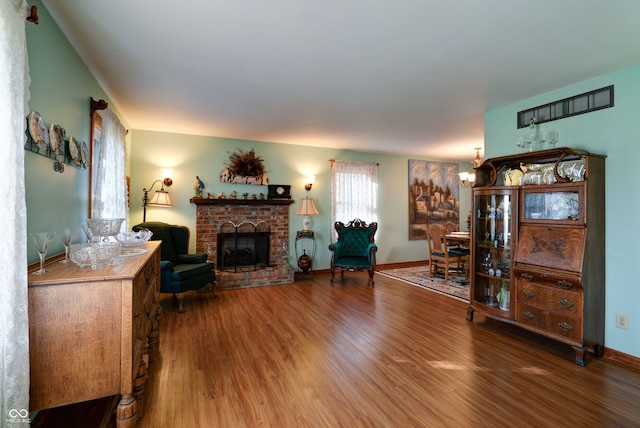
(622, 321)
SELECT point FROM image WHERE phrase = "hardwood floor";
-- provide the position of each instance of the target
(312, 354)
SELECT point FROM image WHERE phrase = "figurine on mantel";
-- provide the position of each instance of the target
(199, 187)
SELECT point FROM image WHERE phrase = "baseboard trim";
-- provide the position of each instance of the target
(402, 265)
(622, 358)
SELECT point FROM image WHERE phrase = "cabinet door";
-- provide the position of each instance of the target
(493, 234)
(555, 204)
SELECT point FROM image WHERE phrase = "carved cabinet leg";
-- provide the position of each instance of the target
(139, 384)
(154, 335)
(126, 412)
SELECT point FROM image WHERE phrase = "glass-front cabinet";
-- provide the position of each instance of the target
(538, 245)
(559, 205)
(493, 236)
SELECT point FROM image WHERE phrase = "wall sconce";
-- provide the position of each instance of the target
(167, 173)
(467, 179)
(306, 209)
(310, 180)
(160, 198)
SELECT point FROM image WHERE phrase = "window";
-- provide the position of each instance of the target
(108, 181)
(572, 106)
(354, 191)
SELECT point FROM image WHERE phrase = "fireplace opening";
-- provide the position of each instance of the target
(243, 246)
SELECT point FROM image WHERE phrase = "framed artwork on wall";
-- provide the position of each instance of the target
(433, 196)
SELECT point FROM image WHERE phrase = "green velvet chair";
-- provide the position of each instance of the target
(180, 271)
(355, 249)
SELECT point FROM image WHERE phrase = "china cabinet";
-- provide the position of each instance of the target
(538, 253)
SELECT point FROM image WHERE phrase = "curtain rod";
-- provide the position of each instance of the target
(33, 15)
(333, 160)
(97, 105)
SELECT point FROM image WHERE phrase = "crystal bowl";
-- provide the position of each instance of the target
(95, 255)
(104, 227)
(134, 239)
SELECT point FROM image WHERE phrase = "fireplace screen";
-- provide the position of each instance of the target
(243, 246)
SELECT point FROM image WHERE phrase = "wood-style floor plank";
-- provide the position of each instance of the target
(313, 354)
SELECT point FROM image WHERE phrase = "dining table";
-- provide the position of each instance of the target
(463, 239)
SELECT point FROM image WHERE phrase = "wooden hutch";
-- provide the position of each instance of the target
(538, 247)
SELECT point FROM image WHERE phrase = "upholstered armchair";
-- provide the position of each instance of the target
(179, 271)
(355, 249)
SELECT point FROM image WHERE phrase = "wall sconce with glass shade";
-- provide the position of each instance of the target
(310, 180)
(167, 173)
(467, 179)
(161, 198)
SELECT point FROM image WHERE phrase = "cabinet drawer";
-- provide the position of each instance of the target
(548, 278)
(550, 298)
(552, 322)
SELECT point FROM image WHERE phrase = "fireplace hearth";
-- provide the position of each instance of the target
(212, 214)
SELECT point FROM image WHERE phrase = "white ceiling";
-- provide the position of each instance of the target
(410, 77)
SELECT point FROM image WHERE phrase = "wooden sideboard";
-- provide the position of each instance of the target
(92, 333)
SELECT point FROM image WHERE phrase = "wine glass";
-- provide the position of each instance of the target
(67, 236)
(42, 241)
(88, 233)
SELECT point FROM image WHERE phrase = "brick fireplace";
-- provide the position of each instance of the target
(212, 214)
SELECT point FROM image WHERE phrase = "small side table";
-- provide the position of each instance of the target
(309, 237)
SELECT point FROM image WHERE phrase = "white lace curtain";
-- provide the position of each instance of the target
(354, 192)
(109, 188)
(14, 321)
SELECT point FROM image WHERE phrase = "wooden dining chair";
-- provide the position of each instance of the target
(441, 254)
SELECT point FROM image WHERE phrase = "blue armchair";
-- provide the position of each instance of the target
(179, 271)
(355, 249)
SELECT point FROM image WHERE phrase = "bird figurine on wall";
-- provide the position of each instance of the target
(199, 183)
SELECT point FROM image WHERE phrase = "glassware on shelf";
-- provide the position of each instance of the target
(504, 296)
(67, 236)
(490, 297)
(42, 241)
(487, 264)
(88, 233)
(95, 255)
(103, 228)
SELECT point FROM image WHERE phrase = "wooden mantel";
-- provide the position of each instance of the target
(208, 201)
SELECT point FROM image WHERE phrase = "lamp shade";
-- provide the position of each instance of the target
(160, 199)
(307, 207)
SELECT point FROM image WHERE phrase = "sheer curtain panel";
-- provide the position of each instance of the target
(109, 195)
(354, 192)
(14, 321)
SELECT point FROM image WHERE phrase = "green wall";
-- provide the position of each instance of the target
(61, 87)
(205, 157)
(612, 132)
